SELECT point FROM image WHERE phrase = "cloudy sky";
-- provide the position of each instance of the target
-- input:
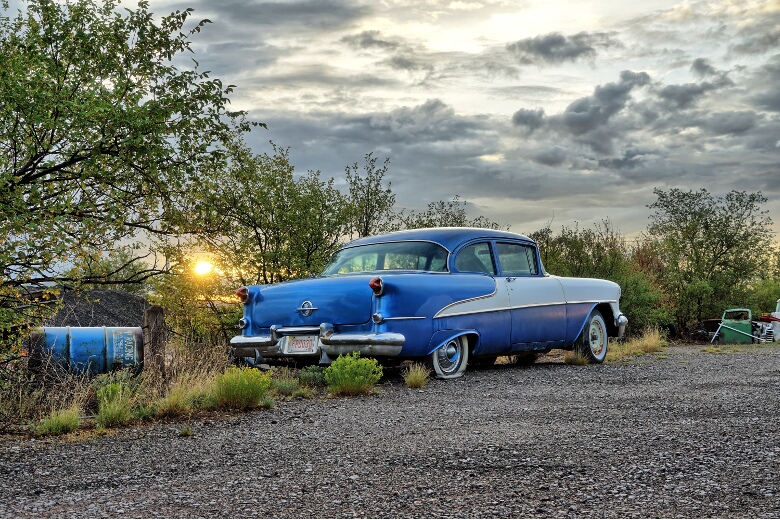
(532, 110)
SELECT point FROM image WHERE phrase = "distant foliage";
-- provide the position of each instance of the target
(371, 202)
(711, 249)
(603, 252)
(261, 223)
(442, 213)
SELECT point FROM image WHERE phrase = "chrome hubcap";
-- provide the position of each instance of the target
(448, 356)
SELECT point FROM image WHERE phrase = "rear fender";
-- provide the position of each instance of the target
(441, 337)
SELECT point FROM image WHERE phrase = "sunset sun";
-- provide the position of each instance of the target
(203, 267)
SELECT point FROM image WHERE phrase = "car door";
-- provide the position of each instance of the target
(537, 302)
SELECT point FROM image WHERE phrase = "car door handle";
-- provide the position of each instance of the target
(510, 279)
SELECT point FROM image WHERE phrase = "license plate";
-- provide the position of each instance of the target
(301, 344)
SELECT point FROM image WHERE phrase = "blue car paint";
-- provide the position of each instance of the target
(412, 300)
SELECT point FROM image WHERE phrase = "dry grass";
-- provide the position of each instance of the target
(416, 375)
(573, 357)
(651, 341)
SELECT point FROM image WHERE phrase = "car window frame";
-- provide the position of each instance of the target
(491, 250)
(535, 255)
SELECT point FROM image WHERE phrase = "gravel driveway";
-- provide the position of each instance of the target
(689, 434)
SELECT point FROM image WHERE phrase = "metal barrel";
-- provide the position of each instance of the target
(97, 350)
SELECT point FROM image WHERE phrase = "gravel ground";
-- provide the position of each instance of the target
(689, 434)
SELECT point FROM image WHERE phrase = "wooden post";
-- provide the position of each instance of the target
(154, 340)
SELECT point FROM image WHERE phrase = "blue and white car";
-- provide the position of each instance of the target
(446, 295)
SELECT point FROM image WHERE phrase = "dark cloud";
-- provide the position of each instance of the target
(766, 86)
(312, 15)
(407, 63)
(589, 113)
(555, 48)
(530, 119)
(369, 40)
(703, 68)
(554, 156)
(685, 96)
(730, 123)
(759, 43)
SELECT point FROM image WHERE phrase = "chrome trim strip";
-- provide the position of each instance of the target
(495, 291)
(298, 331)
(404, 318)
(498, 309)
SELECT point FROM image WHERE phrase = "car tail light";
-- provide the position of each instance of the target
(377, 285)
(243, 294)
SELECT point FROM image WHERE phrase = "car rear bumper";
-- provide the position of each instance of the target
(333, 344)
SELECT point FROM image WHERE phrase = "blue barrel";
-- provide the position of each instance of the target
(96, 350)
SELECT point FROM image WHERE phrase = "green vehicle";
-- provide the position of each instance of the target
(736, 326)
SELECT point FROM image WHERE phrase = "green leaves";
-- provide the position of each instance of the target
(712, 248)
(102, 130)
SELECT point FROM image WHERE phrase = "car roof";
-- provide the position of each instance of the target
(449, 237)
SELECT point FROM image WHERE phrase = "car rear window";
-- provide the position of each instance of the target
(408, 256)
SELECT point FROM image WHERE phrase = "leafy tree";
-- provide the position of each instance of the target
(100, 132)
(371, 202)
(603, 252)
(121, 268)
(712, 248)
(450, 213)
(262, 225)
(202, 308)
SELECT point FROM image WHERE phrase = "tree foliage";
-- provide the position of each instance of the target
(711, 248)
(603, 252)
(371, 202)
(451, 213)
(262, 225)
(100, 132)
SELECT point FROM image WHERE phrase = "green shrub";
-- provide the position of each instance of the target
(241, 388)
(284, 382)
(60, 422)
(312, 375)
(416, 375)
(190, 393)
(352, 375)
(115, 407)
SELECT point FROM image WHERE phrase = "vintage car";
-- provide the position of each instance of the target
(445, 295)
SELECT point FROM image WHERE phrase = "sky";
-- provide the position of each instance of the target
(534, 112)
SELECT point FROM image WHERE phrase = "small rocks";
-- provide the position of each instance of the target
(684, 436)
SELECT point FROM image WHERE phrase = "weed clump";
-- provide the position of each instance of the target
(115, 407)
(650, 342)
(60, 422)
(575, 358)
(416, 375)
(284, 382)
(242, 388)
(352, 375)
(312, 376)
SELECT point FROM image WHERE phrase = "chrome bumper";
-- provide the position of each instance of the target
(334, 345)
(621, 322)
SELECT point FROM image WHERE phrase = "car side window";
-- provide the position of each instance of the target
(476, 259)
(517, 259)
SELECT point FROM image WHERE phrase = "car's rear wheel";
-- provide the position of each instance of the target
(592, 343)
(450, 360)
